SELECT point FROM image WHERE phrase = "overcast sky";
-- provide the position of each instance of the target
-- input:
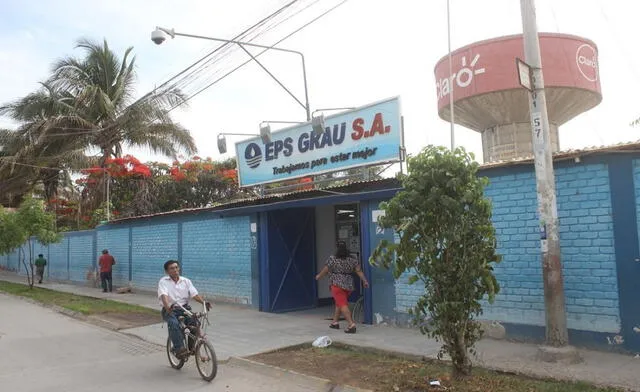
(364, 51)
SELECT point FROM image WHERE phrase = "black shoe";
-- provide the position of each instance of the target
(334, 326)
(350, 330)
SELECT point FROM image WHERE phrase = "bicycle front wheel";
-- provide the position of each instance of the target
(174, 361)
(206, 360)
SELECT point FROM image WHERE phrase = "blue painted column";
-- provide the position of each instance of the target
(130, 254)
(68, 257)
(263, 248)
(255, 233)
(365, 222)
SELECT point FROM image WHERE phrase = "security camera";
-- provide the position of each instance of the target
(157, 37)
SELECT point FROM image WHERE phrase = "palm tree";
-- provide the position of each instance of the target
(40, 149)
(102, 86)
(88, 103)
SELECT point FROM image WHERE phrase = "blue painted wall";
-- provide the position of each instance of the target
(385, 294)
(152, 245)
(219, 254)
(58, 260)
(81, 255)
(116, 241)
(587, 243)
(216, 256)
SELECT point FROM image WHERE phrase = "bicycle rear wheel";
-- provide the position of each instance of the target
(174, 361)
(206, 360)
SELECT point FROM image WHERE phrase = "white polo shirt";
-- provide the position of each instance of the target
(180, 291)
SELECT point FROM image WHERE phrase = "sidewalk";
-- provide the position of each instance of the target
(238, 332)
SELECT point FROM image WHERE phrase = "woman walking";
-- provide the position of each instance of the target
(340, 268)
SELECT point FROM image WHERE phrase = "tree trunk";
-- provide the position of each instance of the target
(50, 181)
(460, 359)
(28, 270)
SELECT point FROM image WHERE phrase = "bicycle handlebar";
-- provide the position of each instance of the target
(190, 313)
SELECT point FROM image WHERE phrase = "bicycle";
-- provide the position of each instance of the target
(196, 342)
(358, 310)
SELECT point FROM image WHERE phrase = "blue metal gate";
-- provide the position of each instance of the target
(290, 262)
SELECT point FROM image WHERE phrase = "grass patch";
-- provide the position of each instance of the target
(77, 303)
(380, 372)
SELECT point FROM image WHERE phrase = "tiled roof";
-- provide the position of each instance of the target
(568, 154)
(349, 188)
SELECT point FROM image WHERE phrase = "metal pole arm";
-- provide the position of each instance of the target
(173, 34)
(307, 107)
(238, 134)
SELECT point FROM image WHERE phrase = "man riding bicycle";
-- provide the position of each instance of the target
(175, 289)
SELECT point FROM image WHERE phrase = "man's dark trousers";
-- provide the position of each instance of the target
(105, 277)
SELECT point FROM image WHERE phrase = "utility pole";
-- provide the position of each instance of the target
(451, 79)
(556, 320)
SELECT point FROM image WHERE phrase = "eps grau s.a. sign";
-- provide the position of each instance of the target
(368, 135)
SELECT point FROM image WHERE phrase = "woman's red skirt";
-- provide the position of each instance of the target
(340, 295)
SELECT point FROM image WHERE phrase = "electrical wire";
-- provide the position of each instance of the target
(226, 47)
(276, 43)
(268, 28)
(172, 83)
(220, 49)
(260, 30)
(616, 36)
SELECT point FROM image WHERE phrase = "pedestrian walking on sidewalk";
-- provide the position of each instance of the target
(40, 263)
(341, 268)
(106, 263)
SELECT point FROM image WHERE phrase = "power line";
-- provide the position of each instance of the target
(168, 85)
(35, 166)
(231, 49)
(276, 43)
(616, 37)
(223, 47)
(247, 61)
(189, 73)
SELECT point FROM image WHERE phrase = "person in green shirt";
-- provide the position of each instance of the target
(40, 263)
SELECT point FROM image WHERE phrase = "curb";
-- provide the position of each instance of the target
(259, 367)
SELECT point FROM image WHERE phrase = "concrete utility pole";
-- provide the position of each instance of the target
(556, 320)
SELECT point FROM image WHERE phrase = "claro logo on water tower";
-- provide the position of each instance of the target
(587, 61)
(462, 78)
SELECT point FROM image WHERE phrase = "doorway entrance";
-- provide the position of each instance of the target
(290, 283)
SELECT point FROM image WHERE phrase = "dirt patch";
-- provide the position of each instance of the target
(127, 320)
(390, 373)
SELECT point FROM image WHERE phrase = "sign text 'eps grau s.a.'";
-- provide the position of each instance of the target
(360, 137)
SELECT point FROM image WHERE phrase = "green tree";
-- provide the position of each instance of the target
(86, 103)
(196, 183)
(447, 242)
(102, 89)
(21, 228)
(49, 138)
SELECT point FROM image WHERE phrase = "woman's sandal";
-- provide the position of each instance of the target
(334, 325)
(351, 329)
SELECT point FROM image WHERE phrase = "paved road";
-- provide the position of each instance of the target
(41, 350)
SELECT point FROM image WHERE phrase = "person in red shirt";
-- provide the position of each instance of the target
(106, 263)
